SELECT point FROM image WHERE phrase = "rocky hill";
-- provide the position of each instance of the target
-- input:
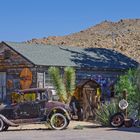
(123, 36)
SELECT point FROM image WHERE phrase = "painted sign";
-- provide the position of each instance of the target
(25, 78)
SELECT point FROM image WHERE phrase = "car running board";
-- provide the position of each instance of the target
(8, 121)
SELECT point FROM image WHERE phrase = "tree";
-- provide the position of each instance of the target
(136, 98)
(127, 82)
(131, 82)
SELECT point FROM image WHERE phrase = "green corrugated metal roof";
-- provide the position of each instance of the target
(50, 55)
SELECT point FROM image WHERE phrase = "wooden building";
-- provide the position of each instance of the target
(24, 65)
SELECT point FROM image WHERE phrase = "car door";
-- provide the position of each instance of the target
(28, 110)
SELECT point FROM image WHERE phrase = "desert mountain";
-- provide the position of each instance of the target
(122, 36)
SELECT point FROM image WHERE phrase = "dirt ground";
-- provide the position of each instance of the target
(72, 125)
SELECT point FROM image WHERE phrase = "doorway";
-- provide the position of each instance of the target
(88, 93)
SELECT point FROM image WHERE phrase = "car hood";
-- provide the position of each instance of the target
(52, 104)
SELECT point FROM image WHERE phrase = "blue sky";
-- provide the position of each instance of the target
(22, 20)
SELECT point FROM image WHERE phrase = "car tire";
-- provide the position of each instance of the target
(1, 125)
(68, 121)
(117, 120)
(58, 121)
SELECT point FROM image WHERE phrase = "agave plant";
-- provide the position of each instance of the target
(105, 112)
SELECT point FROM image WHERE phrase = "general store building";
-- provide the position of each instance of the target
(24, 65)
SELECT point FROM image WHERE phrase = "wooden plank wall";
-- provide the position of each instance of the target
(12, 63)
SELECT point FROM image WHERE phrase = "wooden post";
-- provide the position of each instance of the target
(125, 97)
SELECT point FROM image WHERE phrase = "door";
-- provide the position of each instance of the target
(89, 102)
(28, 110)
(2, 85)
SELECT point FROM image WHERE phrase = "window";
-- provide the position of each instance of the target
(48, 80)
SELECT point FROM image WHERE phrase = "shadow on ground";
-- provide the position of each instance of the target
(41, 129)
(123, 129)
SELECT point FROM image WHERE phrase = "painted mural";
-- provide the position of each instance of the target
(106, 80)
(107, 86)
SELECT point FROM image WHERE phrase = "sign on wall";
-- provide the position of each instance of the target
(25, 78)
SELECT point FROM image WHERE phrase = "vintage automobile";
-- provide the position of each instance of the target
(34, 106)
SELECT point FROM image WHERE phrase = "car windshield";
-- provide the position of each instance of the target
(30, 95)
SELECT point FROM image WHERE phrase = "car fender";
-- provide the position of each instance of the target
(59, 109)
(8, 122)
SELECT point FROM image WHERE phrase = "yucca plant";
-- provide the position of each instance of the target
(64, 87)
(58, 83)
(105, 112)
(69, 80)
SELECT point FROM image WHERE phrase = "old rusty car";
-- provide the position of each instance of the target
(34, 106)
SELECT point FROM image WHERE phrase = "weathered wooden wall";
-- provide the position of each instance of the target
(13, 63)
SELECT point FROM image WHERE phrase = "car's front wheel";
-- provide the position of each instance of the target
(58, 121)
(5, 128)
